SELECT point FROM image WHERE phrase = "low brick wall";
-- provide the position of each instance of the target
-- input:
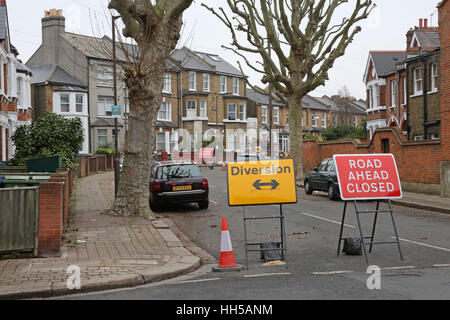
(418, 162)
(54, 198)
(88, 165)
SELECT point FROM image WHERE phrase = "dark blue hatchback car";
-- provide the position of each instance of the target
(323, 178)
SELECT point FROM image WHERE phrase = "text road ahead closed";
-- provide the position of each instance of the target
(368, 176)
(261, 182)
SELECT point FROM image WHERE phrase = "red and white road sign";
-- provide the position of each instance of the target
(206, 153)
(367, 176)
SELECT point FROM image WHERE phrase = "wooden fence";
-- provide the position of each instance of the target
(19, 210)
(88, 165)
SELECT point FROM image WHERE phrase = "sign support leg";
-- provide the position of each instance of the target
(374, 224)
(245, 238)
(342, 227)
(363, 242)
(395, 230)
(283, 233)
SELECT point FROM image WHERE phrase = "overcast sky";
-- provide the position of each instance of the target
(202, 31)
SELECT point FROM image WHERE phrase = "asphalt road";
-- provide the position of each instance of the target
(312, 270)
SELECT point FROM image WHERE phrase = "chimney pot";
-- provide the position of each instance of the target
(425, 23)
(420, 23)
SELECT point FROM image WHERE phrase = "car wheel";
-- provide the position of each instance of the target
(308, 189)
(331, 194)
(203, 204)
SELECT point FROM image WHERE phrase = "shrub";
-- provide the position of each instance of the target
(50, 135)
(107, 151)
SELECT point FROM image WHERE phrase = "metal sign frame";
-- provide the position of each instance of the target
(371, 237)
(282, 248)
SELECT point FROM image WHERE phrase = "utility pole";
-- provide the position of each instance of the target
(116, 121)
(270, 110)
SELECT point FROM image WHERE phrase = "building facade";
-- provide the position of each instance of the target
(15, 91)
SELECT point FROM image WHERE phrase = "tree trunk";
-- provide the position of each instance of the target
(133, 194)
(296, 135)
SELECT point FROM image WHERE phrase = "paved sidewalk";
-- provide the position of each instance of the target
(111, 252)
(419, 201)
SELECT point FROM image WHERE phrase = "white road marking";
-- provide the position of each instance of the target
(266, 274)
(213, 202)
(424, 244)
(398, 268)
(333, 272)
(195, 281)
(325, 219)
(441, 265)
(353, 227)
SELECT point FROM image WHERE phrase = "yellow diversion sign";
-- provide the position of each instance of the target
(261, 182)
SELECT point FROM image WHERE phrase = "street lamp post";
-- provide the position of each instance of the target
(116, 121)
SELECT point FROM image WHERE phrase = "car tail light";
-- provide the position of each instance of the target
(156, 186)
(204, 183)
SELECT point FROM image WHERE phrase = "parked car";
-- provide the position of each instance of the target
(173, 182)
(323, 178)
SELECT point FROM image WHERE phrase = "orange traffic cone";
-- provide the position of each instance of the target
(226, 260)
(224, 166)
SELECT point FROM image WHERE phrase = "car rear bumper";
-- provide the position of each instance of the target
(181, 196)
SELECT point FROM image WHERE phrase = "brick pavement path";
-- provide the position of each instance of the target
(110, 251)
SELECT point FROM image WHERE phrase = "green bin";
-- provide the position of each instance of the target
(49, 164)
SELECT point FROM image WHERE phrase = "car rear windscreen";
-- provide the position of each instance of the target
(178, 171)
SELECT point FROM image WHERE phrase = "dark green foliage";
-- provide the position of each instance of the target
(345, 132)
(107, 151)
(50, 135)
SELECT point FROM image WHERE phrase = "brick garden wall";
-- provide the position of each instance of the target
(54, 197)
(416, 161)
(444, 74)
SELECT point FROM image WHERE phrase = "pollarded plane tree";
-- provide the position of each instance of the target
(154, 26)
(306, 37)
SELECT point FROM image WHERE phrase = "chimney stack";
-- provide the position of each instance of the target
(420, 23)
(425, 23)
(53, 24)
(2, 3)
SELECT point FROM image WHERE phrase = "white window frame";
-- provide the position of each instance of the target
(276, 115)
(405, 90)
(158, 137)
(315, 119)
(104, 109)
(193, 113)
(393, 94)
(434, 76)
(418, 80)
(324, 120)
(236, 86)
(77, 104)
(203, 109)
(206, 82)
(105, 76)
(192, 81)
(19, 92)
(66, 104)
(263, 114)
(234, 106)
(103, 135)
(355, 121)
(167, 83)
(242, 112)
(165, 109)
(223, 84)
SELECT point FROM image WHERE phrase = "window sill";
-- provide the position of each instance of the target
(415, 95)
(195, 119)
(433, 91)
(234, 121)
(164, 120)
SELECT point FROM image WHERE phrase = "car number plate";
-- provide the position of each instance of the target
(182, 188)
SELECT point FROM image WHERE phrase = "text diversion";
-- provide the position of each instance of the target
(367, 175)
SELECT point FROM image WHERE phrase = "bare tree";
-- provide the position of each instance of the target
(306, 42)
(155, 26)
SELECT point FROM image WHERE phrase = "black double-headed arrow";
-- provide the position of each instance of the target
(273, 184)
